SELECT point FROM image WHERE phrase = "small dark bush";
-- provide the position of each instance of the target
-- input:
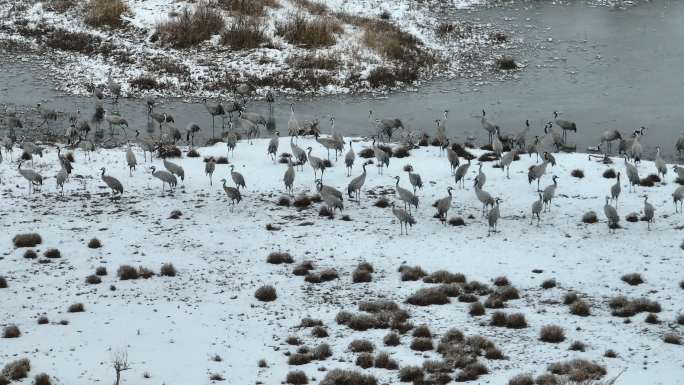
(450, 289)
(580, 308)
(382, 203)
(191, 27)
(652, 318)
(391, 339)
(672, 338)
(521, 379)
(570, 297)
(283, 201)
(127, 272)
(400, 152)
(590, 217)
(548, 284)
(293, 340)
(108, 13)
(443, 276)
(383, 361)
(319, 332)
(76, 308)
(167, 270)
(508, 293)
(43, 320)
(312, 33)
(453, 335)
(362, 322)
(93, 279)
(30, 254)
(321, 352)
(632, 217)
(632, 279)
(244, 33)
(610, 353)
(467, 298)
(364, 360)
(299, 359)
(501, 281)
(52, 253)
(310, 322)
(578, 346)
(578, 370)
(361, 275)
(193, 153)
(494, 302)
(471, 372)
(456, 221)
(216, 377)
(378, 306)
(302, 201)
(422, 331)
(428, 296)
(421, 344)
(101, 271)
(296, 377)
(476, 309)
(278, 257)
(358, 346)
(411, 374)
(266, 293)
(516, 321)
(477, 288)
(303, 268)
(41, 379)
(3, 282)
(493, 354)
(610, 174)
(145, 273)
(94, 243)
(546, 379)
(347, 377)
(11, 331)
(343, 317)
(145, 82)
(577, 173)
(499, 318)
(680, 319)
(411, 273)
(552, 333)
(16, 370)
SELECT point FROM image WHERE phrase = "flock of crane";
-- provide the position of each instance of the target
(333, 198)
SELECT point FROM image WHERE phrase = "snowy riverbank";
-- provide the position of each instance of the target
(172, 326)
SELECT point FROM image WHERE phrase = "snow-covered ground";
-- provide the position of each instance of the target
(172, 326)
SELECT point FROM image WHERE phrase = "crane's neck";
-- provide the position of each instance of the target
(397, 184)
(364, 169)
(103, 171)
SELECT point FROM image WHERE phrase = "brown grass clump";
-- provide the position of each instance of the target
(310, 322)
(100, 13)
(546, 379)
(247, 7)
(577, 173)
(381, 203)
(319, 332)
(244, 33)
(422, 331)
(101, 271)
(94, 243)
(507, 293)
(456, 221)
(315, 32)
(521, 379)
(580, 308)
(190, 28)
(361, 275)
(471, 372)
(293, 340)
(302, 201)
(499, 318)
(494, 302)
(93, 279)
(52, 253)
(30, 254)
(145, 273)
(427, 297)
(552, 333)
(391, 339)
(283, 201)
(467, 298)
(633, 279)
(343, 377)
(476, 309)
(27, 240)
(361, 322)
(314, 61)
(411, 273)
(16, 370)
(411, 374)
(623, 307)
(364, 360)
(672, 338)
(450, 289)
(610, 353)
(43, 320)
(680, 319)
(358, 346)
(299, 359)
(652, 318)
(589, 217)
(493, 353)
(383, 361)
(610, 174)
(443, 276)
(421, 344)
(167, 270)
(216, 377)
(278, 257)
(11, 331)
(42, 379)
(632, 217)
(76, 308)
(144, 82)
(516, 321)
(548, 284)
(477, 288)
(3, 282)
(570, 297)
(266, 293)
(578, 370)
(577, 346)
(303, 268)
(321, 352)
(501, 281)
(296, 377)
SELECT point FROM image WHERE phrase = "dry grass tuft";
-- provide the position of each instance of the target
(293, 340)
(577, 346)
(364, 360)
(16, 370)
(94, 243)
(167, 270)
(101, 13)
(516, 321)
(421, 344)
(244, 33)
(52, 253)
(570, 297)
(43, 320)
(633, 279)
(101, 271)
(578, 370)
(652, 318)
(11, 331)
(391, 339)
(190, 28)
(427, 297)
(302, 201)
(30, 254)
(216, 377)
(319, 332)
(521, 379)
(283, 201)
(312, 32)
(506, 63)
(41, 379)
(278, 257)
(266, 293)
(296, 377)
(321, 352)
(93, 279)
(443, 276)
(577, 173)
(3, 282)
(247, 7)
(76, 308)
(347, 377)
(580, 308)
(358, 346)
(494, 302)
(299, 359)
(476, 309)
(422, 331)
(590, 217)
(303, 268)
(467, 298)
(411, 374)
(310, 322)
(27, 240)
(501, 281)
(610, 353)
(610, 174)
(378, 306)
(672, 338)
(548, 284)
(383, 361)
(499, 319)
(382, 203)
(552, 333)
(456, 221)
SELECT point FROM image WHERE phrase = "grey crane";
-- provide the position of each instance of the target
(316, 163)
(635, 151)
(293, 127)
(488, 126)
(406, 196)
(231, 141)
(678, 196)
(565, 125)
(209, 168)
(332, 201)
(632, 175)
(254, 117)
(386, 127)
(349, 159)
(520, 138)
(215, 110)
(150, 102)
(550, 192)
(298, 154)
(32, 149)
(460, 174)
(481, 178)
(161, 118)
(115, 120)
(175, 169)
(190, 130)
(535, 147)
(484, 197)
(612, 216)
(232, 107)
(608, 137)
(31, 176)
(415, 180)
(625, 144)
(381, 157)
(615, 190)
(8, 144)
(660, 164)
(238, 179)
(493, 217)
(497, 145)
(251, 127)
(441, 135)
(165, 177)
(553, 137)
(47, 114)
(114, 88)
(232, 193)
(272, 149)
(552, 159)
(356, 184)
(443, 206)
(289, 176)
(679, 171)
(405, 218)
(328, 190)
(537, 209)
(61, 177)
(506, 161)
(130, 160)
(649, 212)
(679, 145)
(328, 143)
(452, 157)
(537, 171)
(86, 145)
(112, 183)
(64, 161)
(337, 138)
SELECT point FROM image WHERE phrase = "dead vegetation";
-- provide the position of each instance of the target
(580, 308)
(3, 282)
(359, 346)
(552, 334)
(93, 279)
(577, 173)
(610, 173)
(11, 331)
(167, 270)
(190, 27)
(548, 284)
(94, 243)
(105, 13)
(578, 370)
(278, 257)
(244, 33)
(266, 293)
(52, 253)
(314, 32)
(590, 217)
(340, 376)
(623, 307)
(409, 273)
(27, 240)
(296, 377)
(16, 370)
(76, 308)
(247, 7)
(427, 297)
(313, 60)
(633, 279)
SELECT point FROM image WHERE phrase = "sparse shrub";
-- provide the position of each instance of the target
(590, 217)
(319, 332)
(471, 372)
(570, 297)
(127, 272)
(681, 283)
(299, 359)
(422, 331)
(364, 360)
(108, 13)
(610, 353)
(303, 268)
(577, 173)
(64, 322)
(501, 281)
(443, 276)
(680, 319)
(43, 320)
(27, 240)
(30, 254)
(516, 321)
(521, 379)
(577, 346)
(93, 279)
(278, 257)
(383, 361)
(452, 335)
(494, 302)
(101, 271)
(301, 201)
(328, 275)
(361, 322)
(244, 33)
(378, 306)
(216, 377)
(493, 353)
(499, 318)
(367, 153)
(52, 253)
(456, 221)
(391, 339)
(421, 344)
(672, 338)
(580, 308)
(552, 333)
(632, 217)
(476, 309)
(193, 153)
(341, 377)
(381, 203)
(3, 282)
(190, 28)
(400, 152)
(652, 318)
(94, 243)
(310, 322)
(11, 331)
(167, 270)
(16, 370)
(361, 275)
(578, 370)
(283, 201)
(293, 340)
(610, 174)
(296, 377)
(633, 279)
(343, 317)
(428, 296)
(546, 379)
(76, 308)
(321, 352)
(477, 288)
(548, 284)
(145, 82)
(358, 346)
(411, 273)
(411, 374)
(266, 293)
(41, 379)
(315, 32)
(145, 273)
(508, 293)
(467, 298)
(450, 289)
